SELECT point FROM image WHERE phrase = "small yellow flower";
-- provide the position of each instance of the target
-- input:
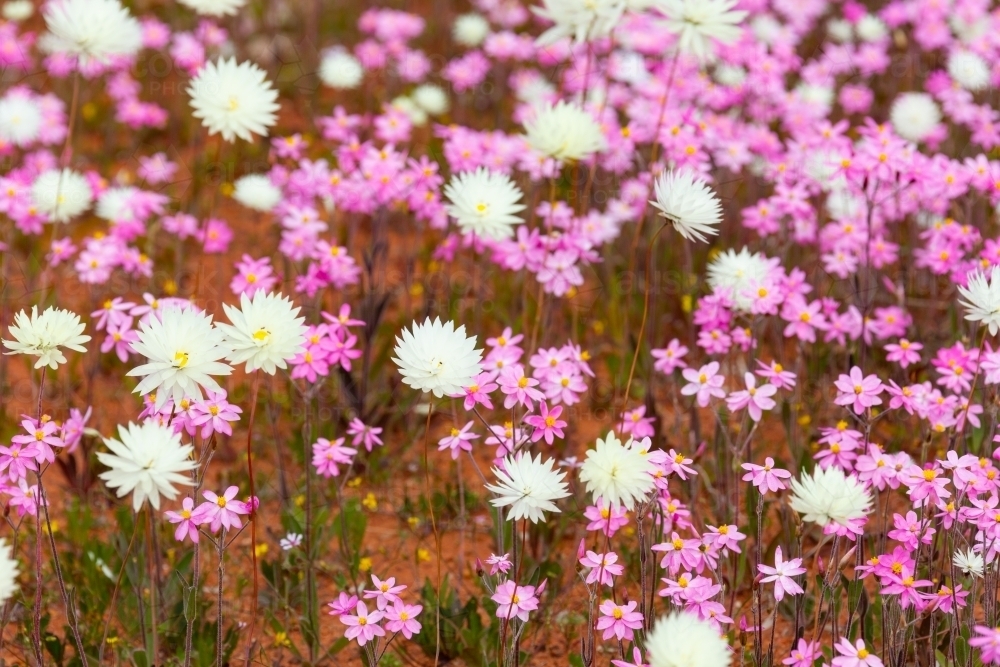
(365, 564)
(354, 483)
(170, 287)
(55, 527)
(112, 641)
(598, 327)
(227, 189)
(261, 549)
(416, 289)
(423, 555)
(686, 303)
(88, 111)
(281, 639)
(300, 500)
(413, 521)
(370, 502)
(805, 420)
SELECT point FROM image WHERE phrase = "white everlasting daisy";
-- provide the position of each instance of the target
(684, 640)
(969, 70)
(256, 191)
(484, 203)
(470, 29)
(430, 98)
(20, 119)
(412, 110)
(266, 331)
(982, 299)
(90, 30)
(183, 351)
(146, 461)
(528, 487)
(114, 204)
(871, 28)
(17, 10)
(235, 100)
(339, 69)
(43, 335)
(969, 562)
(829, 495)
(61, 194)
(914, 116)
(214, 7)
(581, 20)
(733, 272)
(697, 22)
(8, 572)
(840, 30)
(565, 132)
(437, 357)
(620, 474)
(685, 200)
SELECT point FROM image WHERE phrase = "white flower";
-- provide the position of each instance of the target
(733, 272)
(339, 69)
(685, 199)
(233, 99)
(90, 30)
(183, 352)
(470, 29)
(256, 191)
(437, 357)
(42, 335)
(969, 562)
(146, 461)
(829, 495)
(413, 111)
(697, 22)
(528, 487)
(969, 70)
(8, 572)
(840, 30)
(620, 474)
(430, 98)
(266, 331)
(982, 298)
(484, 203)
(114, 204)
(61, 195)
(20, 119)
(871, 28)
(214, 7)
(581, 20)
(684, 640)
(18, 10)
(914, 116)
(565, 132)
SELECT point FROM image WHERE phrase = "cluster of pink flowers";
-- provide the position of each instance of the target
(391, 613)
(217, 512)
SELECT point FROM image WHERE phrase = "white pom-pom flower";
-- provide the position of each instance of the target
(436, 357)
(61, 194)
(266, 331)
(147, 461)
(685, 200)
(528, 487)
(914, 116)
(564, 131)
(484, 203)
(619, 473)
(233, 99)
(43, 335)
(829, 496)
(96, 30)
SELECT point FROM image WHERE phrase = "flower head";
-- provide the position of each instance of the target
(146, 461)
(621, 474)
(235, 100)
(698, 22)
(42, 335)
(484, 203)
(266, 331)
(436, 357)
(90, 30)
(688, 203)
(830, 496)
(8, 572)
(528, 487)
(61, 194)
(982, 299)
(684, 640)
(564, 132)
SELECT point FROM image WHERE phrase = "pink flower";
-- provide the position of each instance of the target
(987, 640)
(520, 390)
(858, 391)
(903, 353)
(704, 383)
(636, 423)
(547, 424)
(362, 434)
(767, 477)
(221, 511)
(385, 592)
(17, 460)
(214, 413)
(401, 617)
(804, 654)
(602, 567)
(515, 601)
(187, 524)
(755, 399)
(854, 655)
(619, 621)
(776, 374)
(781, 574)
(458, 440)
(328, 456)
(344, 604)
(500, 564)
(363, 626)
(478, 393)
(670, 358)
(607, 519)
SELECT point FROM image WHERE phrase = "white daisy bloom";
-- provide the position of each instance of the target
(470, 30)
(620, 474)
(697, 22)
(339, 69)
(183, 351)
(235, 100)
(684, 640)
(914, 116)
(579, 19)
(266, 331)
(61, 194)
(17, 10)
(528, 487)
(147, 461)
(684, 199)
(20, 119)
(829, 495)
(257, 191)
(8, 572)
(564, 131)
(214, 7)
(969, 562)
(969, 70)
(430, 98)
(43, 335)
(484, 203)
(733, 272)
(436, 357)
(90, 30)
(982, 298)
(114, 204)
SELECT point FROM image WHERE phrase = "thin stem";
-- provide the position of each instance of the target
(253, 527)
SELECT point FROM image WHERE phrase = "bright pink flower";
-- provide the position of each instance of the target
(458, 440)
(361, 625)
(704, 383)
(546, 424)
(221, 511)
(602, 567)
(766, 477)
(755, 399)
(402, 617)
(514, 601)
(781, 574)
(186, 520)
(858, 391)
(385, 592)
(619, 620)
(854, 655)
